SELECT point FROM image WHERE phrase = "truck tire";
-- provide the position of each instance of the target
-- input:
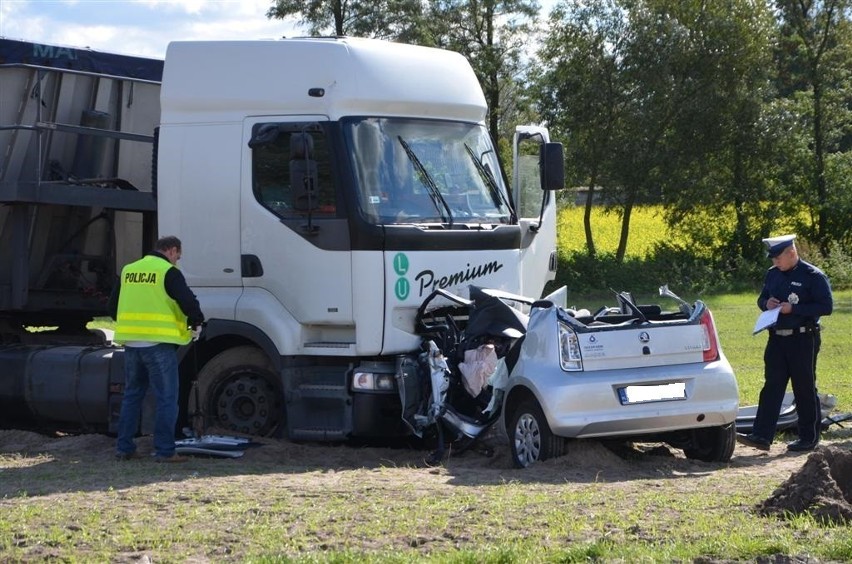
(713, 444)
(239, 392)
(530, 437)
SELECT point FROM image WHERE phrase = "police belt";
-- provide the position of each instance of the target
(796, 331)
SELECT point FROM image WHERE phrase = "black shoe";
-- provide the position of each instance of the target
(802, 446)
(753, 441)
(127, 455)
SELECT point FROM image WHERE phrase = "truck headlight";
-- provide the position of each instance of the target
(372, 381)
(569, 349)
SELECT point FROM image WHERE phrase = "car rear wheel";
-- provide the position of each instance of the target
(531, 439)
(713, 444)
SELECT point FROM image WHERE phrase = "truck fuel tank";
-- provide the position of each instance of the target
(73, 388)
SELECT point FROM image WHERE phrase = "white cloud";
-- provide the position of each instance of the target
(186, 6)
(138, 27)
(12, 18)
(91, 36)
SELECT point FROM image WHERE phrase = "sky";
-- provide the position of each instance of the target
(138, 27)
(143, 27)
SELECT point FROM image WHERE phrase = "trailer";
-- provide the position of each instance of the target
(322, 189)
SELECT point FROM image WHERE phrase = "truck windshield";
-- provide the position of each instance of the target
(426, 171)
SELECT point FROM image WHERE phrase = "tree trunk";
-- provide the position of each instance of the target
(493, 80)
(338, 18)
(741, 239)
(625, 226)
(587, 214)
(819, 163)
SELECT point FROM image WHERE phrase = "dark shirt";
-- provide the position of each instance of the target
(805, 287)
(177, 289)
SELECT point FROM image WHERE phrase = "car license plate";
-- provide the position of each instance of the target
(642, 394)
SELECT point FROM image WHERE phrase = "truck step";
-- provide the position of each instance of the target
(328, 345)
(321, 391)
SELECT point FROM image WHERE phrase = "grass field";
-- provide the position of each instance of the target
(66, 500)
(72, 504)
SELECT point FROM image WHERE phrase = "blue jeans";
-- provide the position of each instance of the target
(157, 367)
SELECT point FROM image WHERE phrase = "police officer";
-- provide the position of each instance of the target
(802, 293)
(154, 310)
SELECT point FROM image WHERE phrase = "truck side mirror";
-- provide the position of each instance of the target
(552, 163)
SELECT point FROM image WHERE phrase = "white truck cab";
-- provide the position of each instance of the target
(322, 189)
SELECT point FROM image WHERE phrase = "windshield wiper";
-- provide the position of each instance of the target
(497, 196)
(434, 192)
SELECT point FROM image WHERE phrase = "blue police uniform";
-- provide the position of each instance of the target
(792, 348)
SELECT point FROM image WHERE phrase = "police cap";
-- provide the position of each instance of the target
(776, 245)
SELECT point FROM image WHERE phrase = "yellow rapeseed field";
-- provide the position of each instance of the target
(647, 227)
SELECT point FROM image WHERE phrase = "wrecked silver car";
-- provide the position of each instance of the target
(549, 373)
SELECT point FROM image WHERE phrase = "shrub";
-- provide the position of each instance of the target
(682, 270)
(659, 256)
(837, 265)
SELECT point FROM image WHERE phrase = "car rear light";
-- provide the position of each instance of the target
(711, 346)
(569, 349)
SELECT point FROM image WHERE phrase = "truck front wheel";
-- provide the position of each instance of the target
(238, 391)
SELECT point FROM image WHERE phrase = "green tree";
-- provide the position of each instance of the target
(386, 19)
(664, 100)
(815, 60)
(578, 89)
(730, 134)
(493, 35)
(657, 77)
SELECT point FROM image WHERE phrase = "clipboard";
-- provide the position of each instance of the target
(766, 320)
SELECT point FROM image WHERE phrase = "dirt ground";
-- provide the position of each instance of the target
(819, 483)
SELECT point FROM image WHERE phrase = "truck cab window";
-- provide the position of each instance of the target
(529, 179)
(291, 170)
(426, 171)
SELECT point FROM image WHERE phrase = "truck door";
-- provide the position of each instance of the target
(295, 246)
(538, 225)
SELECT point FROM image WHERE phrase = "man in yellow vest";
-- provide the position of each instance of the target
(155, 312)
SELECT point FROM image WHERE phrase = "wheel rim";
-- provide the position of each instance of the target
(527, 440)
(247, 402)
